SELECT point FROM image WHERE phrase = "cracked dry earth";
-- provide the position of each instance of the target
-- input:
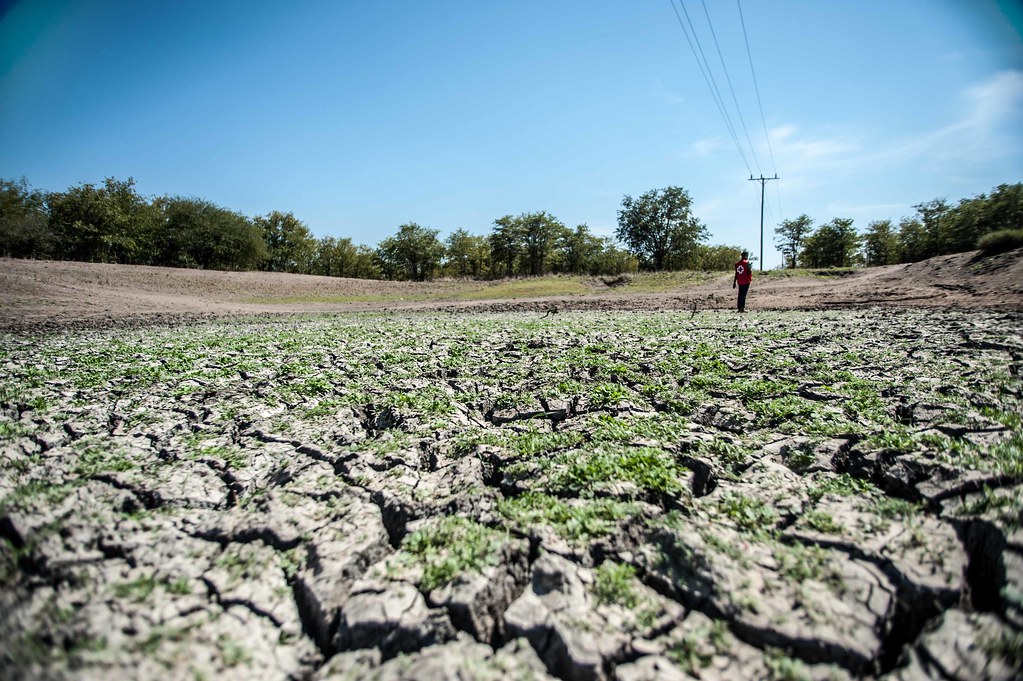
(791, 495)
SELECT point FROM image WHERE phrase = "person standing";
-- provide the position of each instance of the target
(742, 279)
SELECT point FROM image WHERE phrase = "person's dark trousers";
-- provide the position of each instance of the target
(743, 290)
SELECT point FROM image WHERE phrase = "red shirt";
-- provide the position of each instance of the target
(743, 272)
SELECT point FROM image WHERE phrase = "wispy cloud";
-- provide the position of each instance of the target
(796, 149)
(708, 146)
(988, 128)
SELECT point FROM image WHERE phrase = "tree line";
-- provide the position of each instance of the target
(937, 228)
(111, 222)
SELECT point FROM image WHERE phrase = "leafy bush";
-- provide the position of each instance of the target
(1001, 241)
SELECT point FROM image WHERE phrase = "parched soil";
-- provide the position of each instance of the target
(46, 295)
(633, 495)
(202, 475)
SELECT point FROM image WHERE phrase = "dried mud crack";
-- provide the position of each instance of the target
(588, 495)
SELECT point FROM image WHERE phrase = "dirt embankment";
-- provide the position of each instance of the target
(39, 295)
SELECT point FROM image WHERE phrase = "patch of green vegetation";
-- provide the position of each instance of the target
(650, 469)
(605, 395)
(315, 386)
(842, 484)
(232, 456)
(660, 282)
(1006, 507)
(181, 586)
(697, 648)
(13, 430)
(243, 562)
(1010, 419)
(136, 590)
(780, 667)
(760, 389)
(665, 428)
(43, 648)
(156, 637)
(863, 402)
(732, 455)
(537, 287)
(46, 492)
(799, 562)
(94, 459)
(1005, 458)
(451, 547)
(800, 457)
(894, 438)
(751, 515)
(581, 520)
(465, 442)
(791, 410)
(427, 401)
(530, 443)
(232, 652)
(615, 584)
(892, 507)
(822, 521)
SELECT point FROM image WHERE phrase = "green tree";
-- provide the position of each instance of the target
(290, 244)
(933, 216)
(834, 244)
(912, 240)
(507, 244)
(413, 253)
(613, 259)
(111, 223)
(24, 228)
(340, 258)
(580, 250)
(972, 218)
(660, 229)
(540, 234)
(881, 244)
(790, 236)
(1004, 208)
(198, 233)
(365, 264)
(466, 255)
(719, 258)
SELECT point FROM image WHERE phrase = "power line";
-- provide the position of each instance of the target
(708, 77)
(760, 104)
(756, 87)
(728, 79)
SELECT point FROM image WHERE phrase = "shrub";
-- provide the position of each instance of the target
(1001, 241)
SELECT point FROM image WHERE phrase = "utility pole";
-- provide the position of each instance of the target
(763, 181)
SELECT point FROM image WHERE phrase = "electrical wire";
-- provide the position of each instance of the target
(728, 79)
(760, 104)
(708, 77)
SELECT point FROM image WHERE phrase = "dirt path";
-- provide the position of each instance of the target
(41, 295)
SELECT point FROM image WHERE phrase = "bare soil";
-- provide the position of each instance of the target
(39, 295)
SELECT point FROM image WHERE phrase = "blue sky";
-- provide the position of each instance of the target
(360, 116)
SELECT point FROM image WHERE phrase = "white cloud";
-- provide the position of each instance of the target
(707, 146)
(995, 101)
(792, 149)
(988, 128)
